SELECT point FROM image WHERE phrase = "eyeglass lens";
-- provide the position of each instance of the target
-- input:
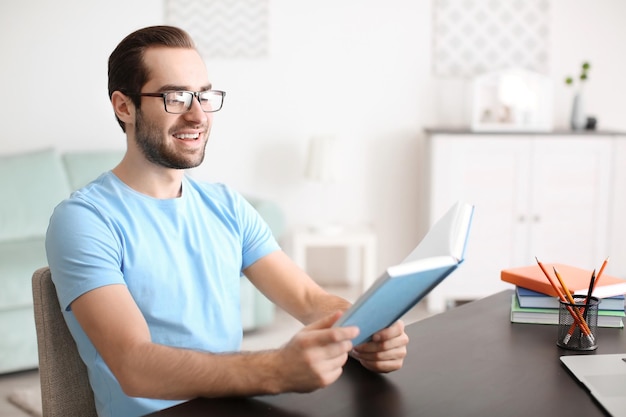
(180, 101)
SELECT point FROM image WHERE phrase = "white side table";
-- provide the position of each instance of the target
(362, 238)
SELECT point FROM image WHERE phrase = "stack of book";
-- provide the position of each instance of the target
(535, 301)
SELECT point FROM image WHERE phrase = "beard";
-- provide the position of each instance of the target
(149, 138)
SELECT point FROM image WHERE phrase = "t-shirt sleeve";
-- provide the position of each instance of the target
(257, 238)
(83, 250)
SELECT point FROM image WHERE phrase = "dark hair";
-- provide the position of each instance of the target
(127, 72)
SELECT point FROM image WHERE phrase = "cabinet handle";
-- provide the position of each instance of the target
(535, 218)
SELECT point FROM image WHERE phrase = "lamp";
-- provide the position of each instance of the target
(320, 169)
(320, 165)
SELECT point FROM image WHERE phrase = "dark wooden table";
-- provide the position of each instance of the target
(469, 361)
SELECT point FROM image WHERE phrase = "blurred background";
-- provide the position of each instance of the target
(371, 74)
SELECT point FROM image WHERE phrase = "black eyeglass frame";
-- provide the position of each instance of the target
(195, 94)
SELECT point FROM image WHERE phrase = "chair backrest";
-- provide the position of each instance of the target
(65, 389)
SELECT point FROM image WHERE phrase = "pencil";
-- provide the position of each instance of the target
(574, 311)
(572, 328)
(563, 299)
(606, 261)
(565, 289)
(592, 285)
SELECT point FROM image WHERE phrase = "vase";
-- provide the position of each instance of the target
(578, 120)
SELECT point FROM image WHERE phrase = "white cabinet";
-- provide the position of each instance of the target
(535, 195)
(617, 226)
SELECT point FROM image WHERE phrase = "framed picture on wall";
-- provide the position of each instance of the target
(512, 100)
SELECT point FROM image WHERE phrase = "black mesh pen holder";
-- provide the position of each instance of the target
(578, 323)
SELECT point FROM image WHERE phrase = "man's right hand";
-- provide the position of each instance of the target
(315, 356)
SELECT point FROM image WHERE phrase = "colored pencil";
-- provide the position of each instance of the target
(574, 311)
(563, 299)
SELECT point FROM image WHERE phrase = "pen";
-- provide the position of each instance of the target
(592, 283)
(574, 311)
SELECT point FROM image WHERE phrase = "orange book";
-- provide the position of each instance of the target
(576, 279)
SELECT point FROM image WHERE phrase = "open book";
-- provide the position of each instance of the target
(402, 286)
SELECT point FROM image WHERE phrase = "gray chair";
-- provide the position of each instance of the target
(65, 389)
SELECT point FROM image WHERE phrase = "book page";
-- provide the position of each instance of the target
(403, 285)
(447, 237)
(419, 265)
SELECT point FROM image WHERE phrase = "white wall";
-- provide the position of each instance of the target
(360, 69)
(594, 31)
(339, 67)
(54, 70)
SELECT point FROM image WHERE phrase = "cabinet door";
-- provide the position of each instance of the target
(570, 200)
(617, 222)
(492, 173)
(543, 196)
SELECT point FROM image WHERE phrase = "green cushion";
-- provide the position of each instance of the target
(18, 344)
(32, 185)
(18, 261)
(271, 213)
(84, 167)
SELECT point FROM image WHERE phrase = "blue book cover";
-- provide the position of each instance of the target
(606, 318)
(533, 299)
(402, 286)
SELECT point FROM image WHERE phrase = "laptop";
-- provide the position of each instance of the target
(604, 376)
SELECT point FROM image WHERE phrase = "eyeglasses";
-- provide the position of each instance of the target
(178, 102)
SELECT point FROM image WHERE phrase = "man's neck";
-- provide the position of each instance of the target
(150, 179)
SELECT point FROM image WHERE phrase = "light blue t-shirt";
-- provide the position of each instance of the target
(180, 258)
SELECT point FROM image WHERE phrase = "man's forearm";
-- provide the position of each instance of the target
(157, 371)
(313, 358)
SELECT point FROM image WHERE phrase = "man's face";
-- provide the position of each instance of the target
(173, 140)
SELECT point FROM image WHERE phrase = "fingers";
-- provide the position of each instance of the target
(333, 335)
(382, 361)
(386, 351)
(382, 367)
(325, 340)
(380, 355)
(395, 330)
(325, 322)
(314, 357)
(386, 339)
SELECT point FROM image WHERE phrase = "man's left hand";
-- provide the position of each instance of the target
(386, 351)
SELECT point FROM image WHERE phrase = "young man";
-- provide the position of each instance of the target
(147, 261)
